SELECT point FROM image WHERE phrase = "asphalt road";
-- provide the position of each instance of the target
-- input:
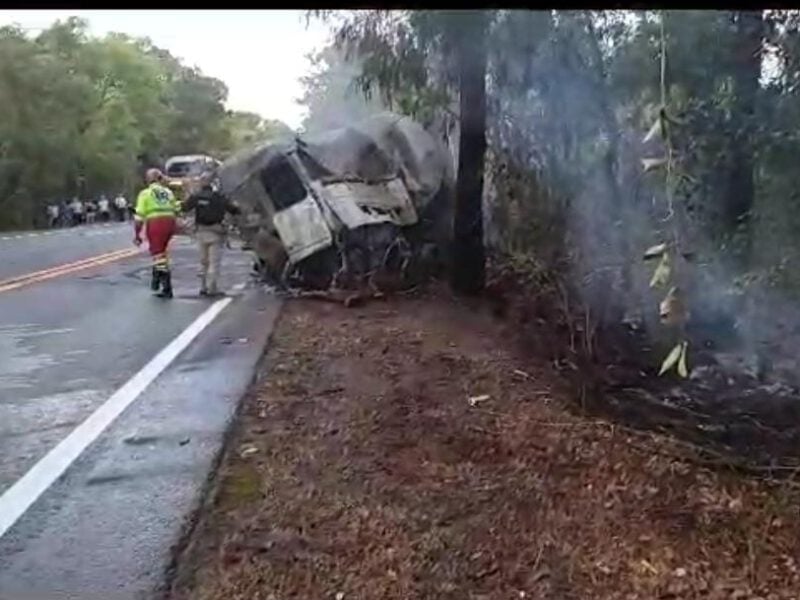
(69, 348)
(25, 252)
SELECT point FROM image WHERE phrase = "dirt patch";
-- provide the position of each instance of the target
(406, 449)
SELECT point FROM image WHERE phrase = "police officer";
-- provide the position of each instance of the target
(210, 206)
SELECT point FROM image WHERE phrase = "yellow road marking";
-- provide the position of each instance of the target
(65, 269)
(91, 259)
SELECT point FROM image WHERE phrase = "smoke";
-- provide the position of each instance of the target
(332, 97)
(582, 149)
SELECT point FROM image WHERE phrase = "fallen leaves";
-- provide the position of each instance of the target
(423, 495)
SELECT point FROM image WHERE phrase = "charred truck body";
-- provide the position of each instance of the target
(342, 207)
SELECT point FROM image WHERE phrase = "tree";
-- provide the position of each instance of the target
(84, 115)
(39, 130)
(246, 129)
(469, 264)
(746, 71)
(196, 113)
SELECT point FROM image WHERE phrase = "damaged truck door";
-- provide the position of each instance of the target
(298, 218)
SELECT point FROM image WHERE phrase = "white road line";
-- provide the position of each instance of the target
(26, 490)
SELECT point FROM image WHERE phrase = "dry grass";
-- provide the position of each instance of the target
(361, 471)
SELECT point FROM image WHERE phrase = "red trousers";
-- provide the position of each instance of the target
(159, 232)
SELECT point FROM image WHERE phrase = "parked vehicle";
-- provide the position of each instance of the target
(183, 172)
(183, 175)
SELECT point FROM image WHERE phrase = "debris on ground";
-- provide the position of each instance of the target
(374, 479)
(475, 400)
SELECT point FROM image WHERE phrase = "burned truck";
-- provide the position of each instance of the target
(346, 206)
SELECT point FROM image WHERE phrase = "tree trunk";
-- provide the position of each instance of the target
(469, 260)
(746, 73)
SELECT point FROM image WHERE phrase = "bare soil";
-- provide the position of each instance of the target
(412, 448)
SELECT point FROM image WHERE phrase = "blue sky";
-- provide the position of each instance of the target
(259, 54)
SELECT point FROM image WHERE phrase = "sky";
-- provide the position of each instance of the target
(259, 54)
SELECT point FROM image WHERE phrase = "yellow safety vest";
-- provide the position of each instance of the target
(156, 201)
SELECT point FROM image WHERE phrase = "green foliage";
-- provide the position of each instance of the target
(83, 116)
(663, 272)
(676, 359)
(673, 307)
(246, 129)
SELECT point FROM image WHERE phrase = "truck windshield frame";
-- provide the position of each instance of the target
(282, 183)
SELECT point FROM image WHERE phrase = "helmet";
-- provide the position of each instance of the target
(153, 175)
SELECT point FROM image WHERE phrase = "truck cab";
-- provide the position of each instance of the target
(183, 172)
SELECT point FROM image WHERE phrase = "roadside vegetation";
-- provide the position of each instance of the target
(83, 116)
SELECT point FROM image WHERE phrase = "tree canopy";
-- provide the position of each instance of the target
(85, 115)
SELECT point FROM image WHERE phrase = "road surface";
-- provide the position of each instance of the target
(113, 406)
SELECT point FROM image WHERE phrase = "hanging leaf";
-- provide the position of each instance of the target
(655, 251)
(672, 309)
(662, 272)
(653, 163)
(683, 371)
(656, 130)
(671, 360)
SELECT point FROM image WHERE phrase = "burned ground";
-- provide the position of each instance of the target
(730, 415)
(411, 448)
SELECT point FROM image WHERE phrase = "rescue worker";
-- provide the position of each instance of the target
(209, 206)
(156, 210)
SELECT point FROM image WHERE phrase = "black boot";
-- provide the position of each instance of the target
(155, 281)
(166, 285)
